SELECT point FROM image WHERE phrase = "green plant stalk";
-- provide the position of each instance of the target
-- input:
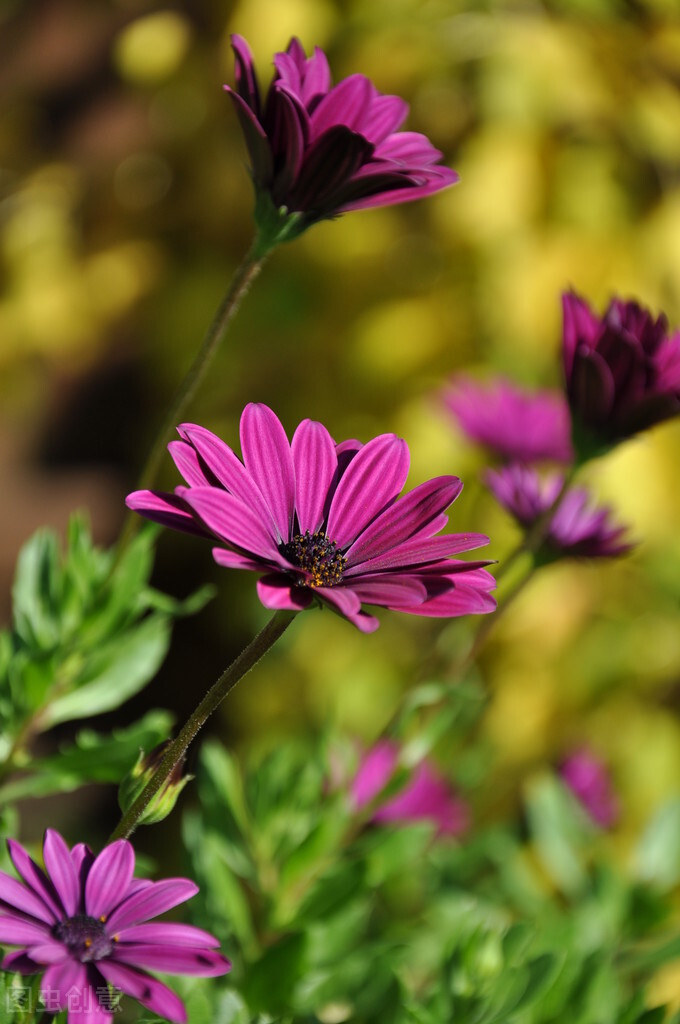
(243, 277)
(246, 660)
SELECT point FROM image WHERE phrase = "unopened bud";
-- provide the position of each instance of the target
(137, 779)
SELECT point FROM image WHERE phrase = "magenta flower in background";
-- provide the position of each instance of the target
(425, 796)
(588, 779)
(322, 521)
(318, 150)
(622, 371)
(83, 923)
(514, 424)
(577, 528)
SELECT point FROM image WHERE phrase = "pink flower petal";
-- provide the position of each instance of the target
(371, 482)
(151, 993)
(61, 871)
(109, 878)
(154, 899)
(171, 959)
(404, 518)
(268, 459)
(316, 462)
(35, 878)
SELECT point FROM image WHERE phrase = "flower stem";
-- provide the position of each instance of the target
(249, 657)
(244, 275)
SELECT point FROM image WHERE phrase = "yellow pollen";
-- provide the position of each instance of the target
(102, 918)
(318, 557)
(88, 943)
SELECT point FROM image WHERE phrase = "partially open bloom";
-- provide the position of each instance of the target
(425, 795)
(82, 922)
(622, 371)
(322, 521)
(512, 423)
(317, 150)
(577, 529)
(588, 779)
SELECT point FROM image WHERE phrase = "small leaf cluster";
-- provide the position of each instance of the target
(88, 633)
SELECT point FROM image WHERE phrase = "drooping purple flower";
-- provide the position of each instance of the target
(425, 796)
(587, 777)
(83, 923)
(577, 528)
(512, 423)
(322, 521)
(622, 371)
(318, 150)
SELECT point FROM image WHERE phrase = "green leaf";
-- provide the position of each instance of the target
(657, 857)
(269, 983)
(332, 890)
(558, 830)
(122, 669)
(95, 757)
(35, 592)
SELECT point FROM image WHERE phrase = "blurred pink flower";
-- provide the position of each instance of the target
(515, 424)
(318, 150)
(588, 779)
(425, 796)
(577, 528)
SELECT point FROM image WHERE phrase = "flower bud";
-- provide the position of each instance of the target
(162, 802)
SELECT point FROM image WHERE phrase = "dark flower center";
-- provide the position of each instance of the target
(84, 937)
(318, 556)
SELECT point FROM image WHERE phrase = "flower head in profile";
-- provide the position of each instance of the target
(425, 795)
(622, 371)
(588, 779)
(318, 150)
(514, 424)
(83, 923)
(322, 521)
(577, 529)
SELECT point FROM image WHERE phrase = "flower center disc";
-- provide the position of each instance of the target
(84, 937)
(316, 555)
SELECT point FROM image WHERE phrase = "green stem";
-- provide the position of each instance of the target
(488, 623)
(244, 275)
(246, 660)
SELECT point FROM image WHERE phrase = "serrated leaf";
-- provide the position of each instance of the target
(126, 667)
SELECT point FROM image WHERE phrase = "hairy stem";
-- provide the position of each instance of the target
(243, 277)
(249, 657)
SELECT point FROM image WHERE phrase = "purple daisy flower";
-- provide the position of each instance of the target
(83, 922)
(514, 424)
(588, 779)
(576, 529)
(425, 796)
(622, 371)
(318, 150)
(322, 520)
